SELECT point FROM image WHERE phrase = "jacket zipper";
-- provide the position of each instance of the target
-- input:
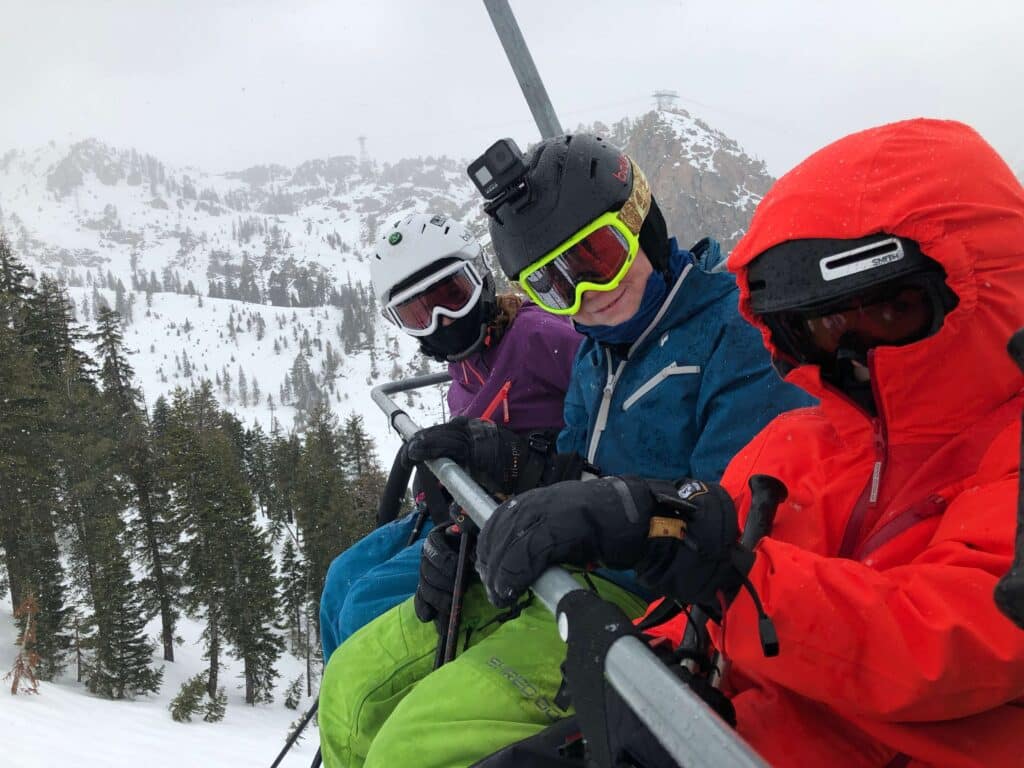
(869, 496)
(606, 400)
(609, 387)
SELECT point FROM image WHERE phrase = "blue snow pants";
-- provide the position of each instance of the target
(369, 578)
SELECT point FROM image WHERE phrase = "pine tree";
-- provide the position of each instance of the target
(189, 699)
(251, 612)
(243, 387)
(293, 696)
(226, 560)
(294, 596)
(213, 711)
(359, 458)
(94, 496)
(28, 493)
(256, 460)
(285, 456)
(199, 467)
(323, 497)
(153, 529)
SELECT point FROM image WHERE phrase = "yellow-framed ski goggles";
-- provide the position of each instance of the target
(595, 258)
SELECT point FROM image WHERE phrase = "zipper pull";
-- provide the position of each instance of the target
(876, 472)
(876, 480)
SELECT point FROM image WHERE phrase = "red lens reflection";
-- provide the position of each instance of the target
(453, 293)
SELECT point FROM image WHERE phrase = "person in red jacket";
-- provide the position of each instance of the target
(886, 274)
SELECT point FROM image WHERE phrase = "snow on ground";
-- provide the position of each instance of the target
(67, 726)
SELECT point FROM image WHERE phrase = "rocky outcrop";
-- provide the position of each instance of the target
(704, 182)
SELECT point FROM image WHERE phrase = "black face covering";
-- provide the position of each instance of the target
(842, 374)
(458, 340)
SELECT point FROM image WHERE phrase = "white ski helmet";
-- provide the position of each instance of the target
(411, 242)
(421, 245)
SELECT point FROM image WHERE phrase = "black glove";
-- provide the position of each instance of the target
(500, 460)
(438, 565)
(682, 541)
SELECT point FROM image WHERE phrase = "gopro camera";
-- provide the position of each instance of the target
(497, 169)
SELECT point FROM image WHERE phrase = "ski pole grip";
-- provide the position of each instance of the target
(1009, 592)
(766, 493)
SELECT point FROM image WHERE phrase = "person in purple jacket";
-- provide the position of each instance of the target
(510, 364)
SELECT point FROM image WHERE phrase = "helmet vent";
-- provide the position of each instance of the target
(446, 230)
(861, 259)
(593, 167)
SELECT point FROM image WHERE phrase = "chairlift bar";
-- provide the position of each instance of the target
(525, 70)
(691, 732)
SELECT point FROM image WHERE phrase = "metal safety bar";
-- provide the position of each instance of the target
(686, 727)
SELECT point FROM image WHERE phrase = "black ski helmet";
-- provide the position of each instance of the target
(814, 277)
(570, 181)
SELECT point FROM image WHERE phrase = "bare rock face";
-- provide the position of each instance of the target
(704, 182)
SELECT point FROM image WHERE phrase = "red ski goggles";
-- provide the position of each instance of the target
(891, 315)
(450, 292)
(595, 258)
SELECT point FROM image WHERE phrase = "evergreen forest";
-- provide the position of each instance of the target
(115, 518)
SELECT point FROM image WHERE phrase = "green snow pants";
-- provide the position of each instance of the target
(382, 706)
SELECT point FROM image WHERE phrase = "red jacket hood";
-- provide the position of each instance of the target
(938, 183)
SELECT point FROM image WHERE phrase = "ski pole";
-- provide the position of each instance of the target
(1009, 593)
(766, 493)
(448, 640)
(421, 510)
(687, 728)
(295, 734)
(467, 533)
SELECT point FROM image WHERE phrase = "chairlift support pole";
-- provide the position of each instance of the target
(678, 718)
(525, 70)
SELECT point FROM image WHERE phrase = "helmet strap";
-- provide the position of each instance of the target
(654, 241)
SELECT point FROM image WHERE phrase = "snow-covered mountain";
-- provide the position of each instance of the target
(240, 272)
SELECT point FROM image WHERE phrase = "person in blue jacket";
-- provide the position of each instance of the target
(669, 381)
(509, 362)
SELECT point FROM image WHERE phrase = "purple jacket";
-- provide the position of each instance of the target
(519, 383)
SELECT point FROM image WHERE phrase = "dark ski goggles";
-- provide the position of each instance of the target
(450, 292)
(889, 315)
(595, 258)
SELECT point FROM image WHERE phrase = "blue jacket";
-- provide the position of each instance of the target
(687, 395)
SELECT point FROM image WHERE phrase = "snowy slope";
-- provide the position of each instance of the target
(82, 231)
(65, 726)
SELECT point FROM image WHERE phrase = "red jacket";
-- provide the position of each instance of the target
(892, 650)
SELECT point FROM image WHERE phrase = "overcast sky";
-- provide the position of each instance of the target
(225, 84)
